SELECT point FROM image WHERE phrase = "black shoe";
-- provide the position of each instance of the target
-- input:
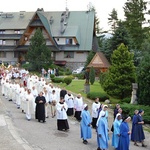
(28, 119)
(85, 141)
(44, 121)
(10, 99)
(60, 130)
(3, 94)
(143, 145)
(136, 144)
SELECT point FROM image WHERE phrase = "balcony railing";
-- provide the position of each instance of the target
(10, 36)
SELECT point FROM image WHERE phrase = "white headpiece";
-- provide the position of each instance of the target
(101, 114)
(85, 105)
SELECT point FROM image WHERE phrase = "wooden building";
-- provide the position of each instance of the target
(99, 63)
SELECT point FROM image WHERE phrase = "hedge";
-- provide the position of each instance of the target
(126, 100)
(102, 96)
(57, 80)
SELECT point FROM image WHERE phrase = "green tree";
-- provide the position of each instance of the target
(38, 54)
(89, 58)
(135, 16)
(143, 77)
(96, 22)
(121, 73)
(113, 20)
(92, 75)
(105, 47)
(120, 35)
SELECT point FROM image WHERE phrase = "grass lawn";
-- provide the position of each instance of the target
(77, 86)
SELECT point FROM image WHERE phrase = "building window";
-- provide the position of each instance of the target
(16, 55)
(68, 54)
(17, 31)
(2, 31)
(68, 41)
(2, 42)
(16, 42)
(3, 54)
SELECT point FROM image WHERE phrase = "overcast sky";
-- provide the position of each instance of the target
(103, 7)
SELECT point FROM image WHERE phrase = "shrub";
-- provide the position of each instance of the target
(68, 73)
(57, 80)
(126, 100)
(67, 80)
(79, 76)
(61, 69)
(61, 73)
(71, 76)
(101, 96)
(92, 75)
(102, 77)
(52, 76)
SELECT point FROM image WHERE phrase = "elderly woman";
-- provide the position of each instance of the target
(134, 120)
(138, 129)
(85, 124)
(116, 132)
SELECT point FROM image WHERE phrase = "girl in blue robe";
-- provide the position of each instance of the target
(85, 124)
(138, 130)
(102, 131)
(124, 134)
(116, 132)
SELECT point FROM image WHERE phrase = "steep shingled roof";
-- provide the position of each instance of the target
(99, 61)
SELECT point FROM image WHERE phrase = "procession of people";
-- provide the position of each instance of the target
(34, 96)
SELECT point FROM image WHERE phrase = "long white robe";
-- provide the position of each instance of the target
(2, 83)
(47, 105)
(10, 90)
(29, 105)
(23, 100)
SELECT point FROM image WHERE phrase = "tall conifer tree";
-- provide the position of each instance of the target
(121, 73)
(135, 17)
(38, 54)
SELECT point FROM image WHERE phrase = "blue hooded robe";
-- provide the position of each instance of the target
(124, 137)
(102, 129)
(85, 121)
(115, 137)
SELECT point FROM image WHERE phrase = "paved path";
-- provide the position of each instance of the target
(16, 133)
